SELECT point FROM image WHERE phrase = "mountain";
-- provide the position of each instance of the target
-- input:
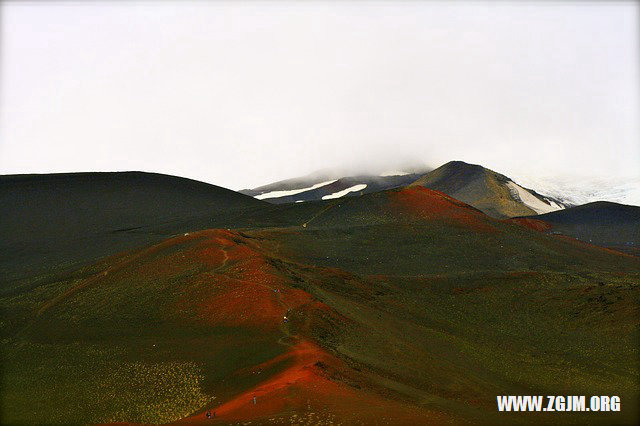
(55, 219)
(330, 185)
(493, 193)
(602, 223)
(574, 190)
(404, 306)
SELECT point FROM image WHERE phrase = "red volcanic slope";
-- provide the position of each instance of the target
(428, 204)
(235, 287)
(304, 392)
(535, 224)
(234, 284)
(244, 289)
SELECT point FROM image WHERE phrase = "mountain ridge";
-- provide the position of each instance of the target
(59, 215)
(495, 194)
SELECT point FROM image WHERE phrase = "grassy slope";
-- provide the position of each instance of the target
(405, 306)
(448, 315)
(57, 220)
(136, 321)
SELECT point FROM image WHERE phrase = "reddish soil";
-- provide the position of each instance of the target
(236, 284)
(434, 205)
(241, 288)
(535, 224)
(305, 393)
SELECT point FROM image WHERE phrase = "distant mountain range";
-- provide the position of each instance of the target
(63, 219)
(606, 224)
(493, 193)
(328, 185)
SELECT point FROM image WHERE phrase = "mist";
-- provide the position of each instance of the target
(243, 94)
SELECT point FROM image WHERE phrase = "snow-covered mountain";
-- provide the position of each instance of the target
(331, 185)
(491, 192)
(578, 191)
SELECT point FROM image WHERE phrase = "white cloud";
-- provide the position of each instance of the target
(244, 94)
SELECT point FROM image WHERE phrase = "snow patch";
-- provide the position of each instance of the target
(531, 200)
(278, 194)
(393, 173)
(355, 188)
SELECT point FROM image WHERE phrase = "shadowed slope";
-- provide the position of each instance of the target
(602, 223)
(78, 217)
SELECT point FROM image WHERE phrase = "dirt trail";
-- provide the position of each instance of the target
(284, 327)
(300, 354)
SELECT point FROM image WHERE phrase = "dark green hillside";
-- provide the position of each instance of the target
(603, 223)
(417, 231)
(406, 306)
(447, 315)
(49, 220)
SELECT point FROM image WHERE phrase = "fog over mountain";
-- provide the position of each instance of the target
(581, 190)
(240, 95)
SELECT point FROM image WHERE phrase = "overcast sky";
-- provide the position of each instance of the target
(242, 94)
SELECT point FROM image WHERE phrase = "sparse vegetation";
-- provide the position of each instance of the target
(432, 317)
(79, 383)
